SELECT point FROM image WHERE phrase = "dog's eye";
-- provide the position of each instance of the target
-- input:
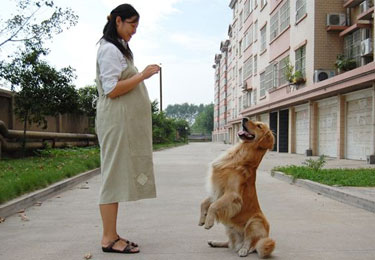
(259, 126)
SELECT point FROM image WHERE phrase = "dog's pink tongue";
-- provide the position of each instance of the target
(241, 132)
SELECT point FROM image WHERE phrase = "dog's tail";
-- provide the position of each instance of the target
(264, 247)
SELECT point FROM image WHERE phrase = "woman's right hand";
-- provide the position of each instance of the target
(150, 70)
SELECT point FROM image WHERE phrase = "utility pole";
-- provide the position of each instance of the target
(161, 90)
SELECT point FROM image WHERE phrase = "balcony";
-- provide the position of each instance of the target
(352, 3)
(355, 27)
(336, 28)
(366, 15)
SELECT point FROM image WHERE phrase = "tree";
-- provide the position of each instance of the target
(35, 22)
(167, 130)
(44, 91)
(184, 111)
(204, 120)
(87, 98)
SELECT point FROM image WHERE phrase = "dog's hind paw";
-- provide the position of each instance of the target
(243, 252)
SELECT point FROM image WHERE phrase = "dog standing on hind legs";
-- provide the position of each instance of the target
(233, 199)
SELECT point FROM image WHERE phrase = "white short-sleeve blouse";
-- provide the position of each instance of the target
(111, 63)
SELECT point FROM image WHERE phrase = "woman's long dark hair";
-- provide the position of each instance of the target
(125, 11)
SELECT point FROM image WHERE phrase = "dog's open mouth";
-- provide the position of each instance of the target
(245, 134)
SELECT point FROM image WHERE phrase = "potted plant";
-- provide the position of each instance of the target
(298, 77)
(289, 72)
(295, 77)
(344, 64)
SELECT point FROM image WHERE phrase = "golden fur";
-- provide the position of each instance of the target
(233, 199)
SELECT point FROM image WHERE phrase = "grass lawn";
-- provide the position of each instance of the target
(20, 176)
(341, 177)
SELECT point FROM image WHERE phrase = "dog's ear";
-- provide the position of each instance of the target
(267, 141)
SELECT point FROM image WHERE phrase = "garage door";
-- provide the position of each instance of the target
(302, 129)
(358, 126)
(327, 127)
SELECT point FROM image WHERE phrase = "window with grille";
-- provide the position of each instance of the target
(262, 90)
(352, 46)
(274, 29)
(300, 9)
(255, 64)
(300, 59)
(248, 68)
(282, 70)
(269, 77)
(263, 3)
(254, 102)
(284, 16)
(240, 76)
(247, 8)
(263, 42)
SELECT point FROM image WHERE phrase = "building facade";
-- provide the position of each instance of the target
(304, 67)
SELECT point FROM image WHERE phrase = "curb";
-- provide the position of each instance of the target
(328, 191)
(28, 200)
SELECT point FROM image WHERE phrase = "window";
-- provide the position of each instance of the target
(255, 64)
(284, 16)
(274, 29)
(255, 30)
(279, 21)
(263, 3)
(282, 69)
(248, 68)
(352, 46)
(300, 9)
(269, 74)
(301, 59)
(262, 91)
(266, 80)
(255, 96)
(263, 40)
(240, 48)
(240, 76)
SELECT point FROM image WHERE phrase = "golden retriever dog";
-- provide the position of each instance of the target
(233, 199)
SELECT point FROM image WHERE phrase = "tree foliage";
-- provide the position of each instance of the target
(184, 111)
(167, 130)
(43, 91)
(87, 97)
(204, 120)
(36, 21)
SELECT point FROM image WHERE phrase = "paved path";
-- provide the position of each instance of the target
(304, 224)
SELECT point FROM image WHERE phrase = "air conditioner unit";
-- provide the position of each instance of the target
(365, 5)
(338, 19)
(366, 47)
(320, 75)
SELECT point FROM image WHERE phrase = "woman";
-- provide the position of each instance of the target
(123, 124)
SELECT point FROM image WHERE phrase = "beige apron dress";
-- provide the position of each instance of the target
(124, 130)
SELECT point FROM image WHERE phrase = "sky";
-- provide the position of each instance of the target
(182, 35)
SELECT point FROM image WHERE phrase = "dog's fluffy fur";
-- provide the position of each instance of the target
(233, 199)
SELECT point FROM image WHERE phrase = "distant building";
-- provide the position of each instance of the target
(278, 66)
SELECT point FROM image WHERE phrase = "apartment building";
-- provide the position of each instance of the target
(304, 67)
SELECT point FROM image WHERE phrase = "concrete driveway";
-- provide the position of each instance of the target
(304, 224)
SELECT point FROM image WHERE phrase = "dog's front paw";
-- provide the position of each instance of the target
(202, 220)
(209, 223)
(243, 252)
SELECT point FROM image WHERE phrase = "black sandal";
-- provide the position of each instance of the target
(128, 242)
(126, 250)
